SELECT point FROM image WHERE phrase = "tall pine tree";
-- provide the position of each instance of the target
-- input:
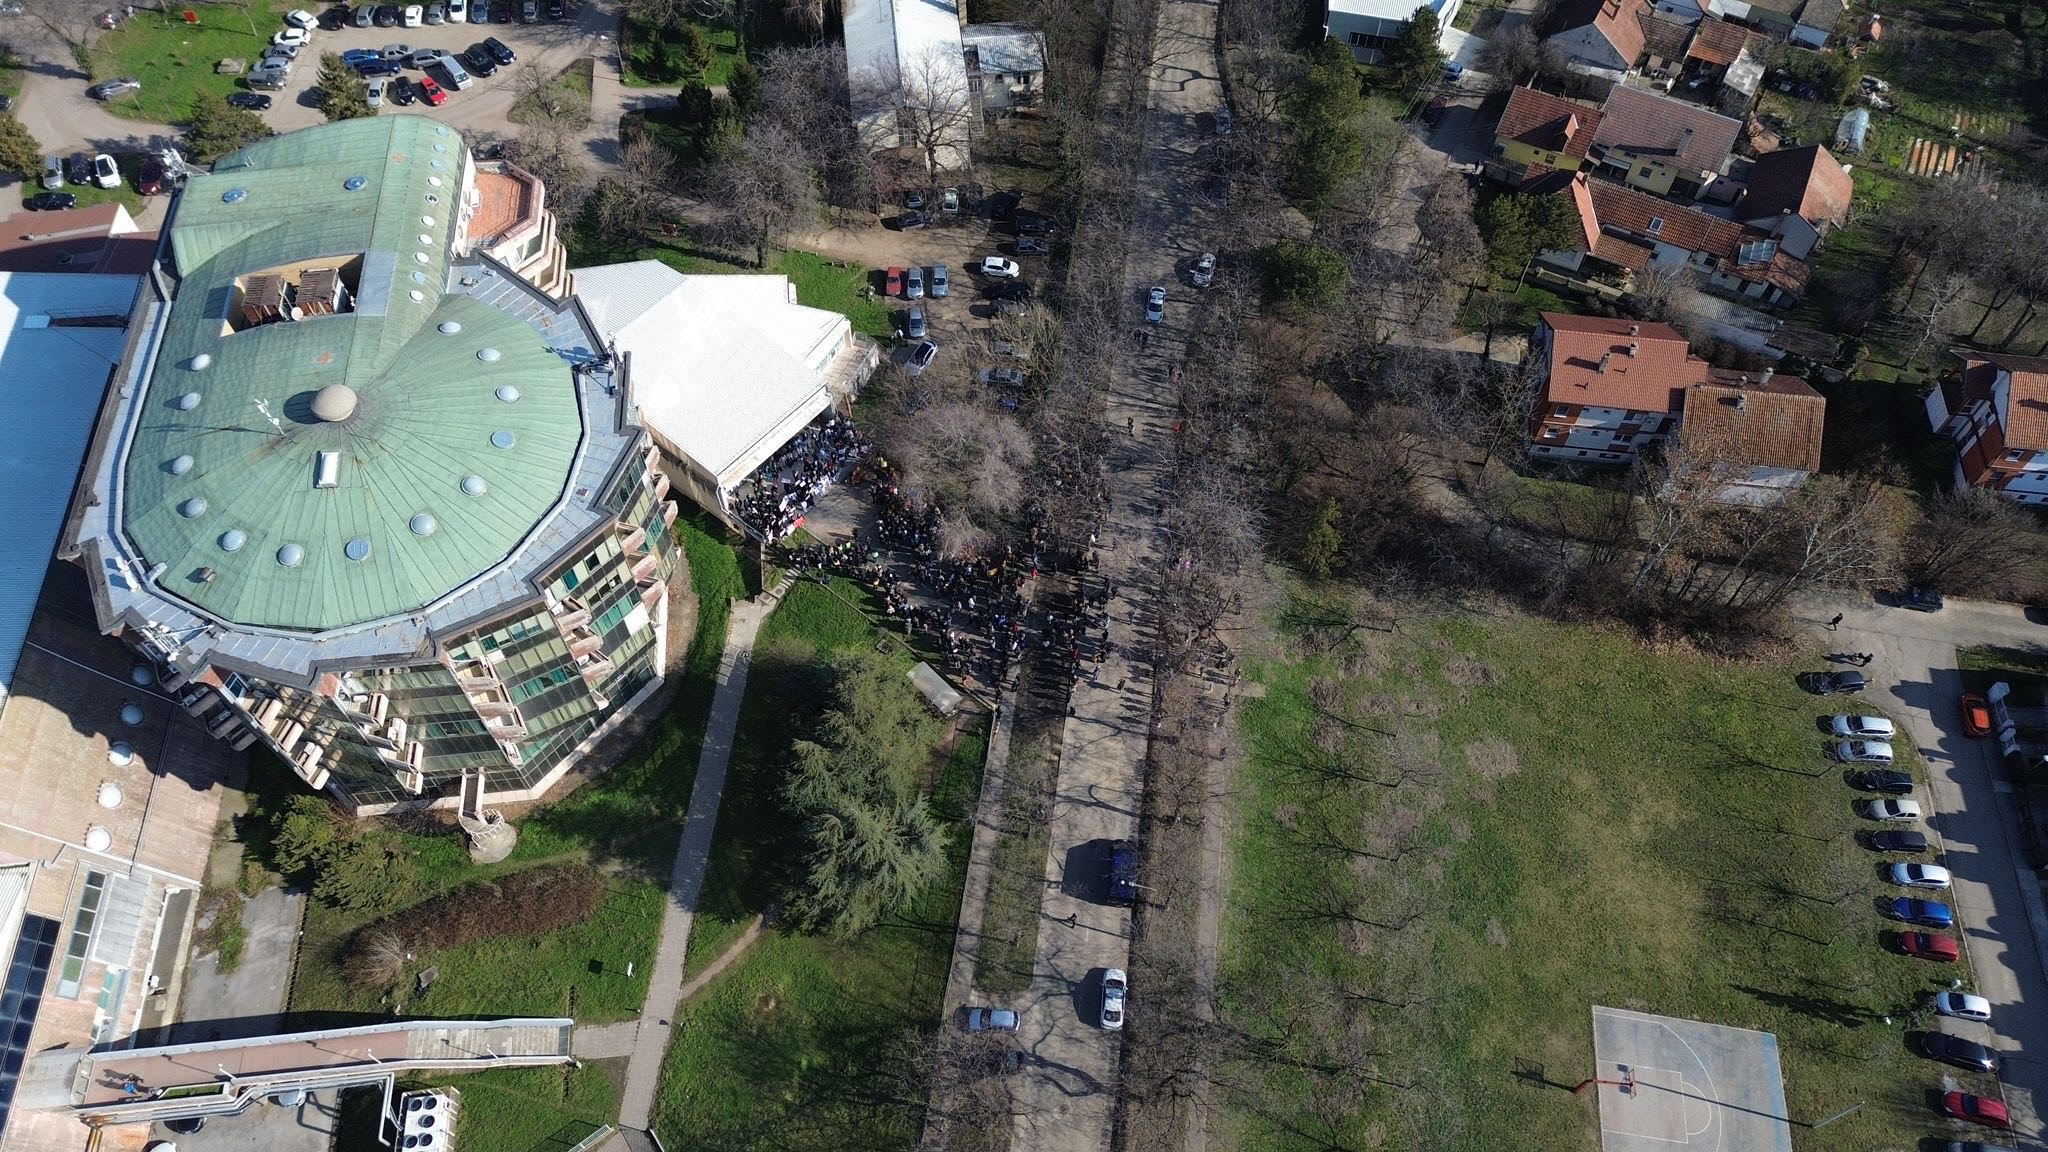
(342, 94)
(1417, 56)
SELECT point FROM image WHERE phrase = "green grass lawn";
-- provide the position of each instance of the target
(646, 67)
(174, 60)
(1454, 839)
(626, 822)
(806, 1043)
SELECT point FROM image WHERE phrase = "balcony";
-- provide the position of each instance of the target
(634, 542)
(669, 512)
(646, 568)
(650, 595)
(595, 670)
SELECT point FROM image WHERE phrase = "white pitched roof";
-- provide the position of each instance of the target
(1008, 48)
(725, 368)
(915, 40)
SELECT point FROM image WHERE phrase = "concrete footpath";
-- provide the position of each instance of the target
(250, 1000)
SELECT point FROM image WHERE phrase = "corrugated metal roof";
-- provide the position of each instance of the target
(52, 377)
(243, 532)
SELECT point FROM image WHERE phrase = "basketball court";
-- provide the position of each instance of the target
(1667, 1084)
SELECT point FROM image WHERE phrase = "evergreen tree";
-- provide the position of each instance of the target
(1323, 112)
(1417, 55)
(1325, 544)
(215, 128)
(743, 84)
(19, 152)
(696, 50)
(342, 94)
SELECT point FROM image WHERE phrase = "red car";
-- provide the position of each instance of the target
(431, 92)
(1976, 1109)
(892, 283)
(1976, 715)
(1928, 946)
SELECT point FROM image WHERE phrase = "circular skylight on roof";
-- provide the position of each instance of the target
(357, 549)
(417, 295)
(435, 164)
(98, 839)
(473, 485)
(426, 239)
(507, 393)
(192, 506)
(487, 355)
(503, 438)
(420, 256)
(187, 402)
(427, 220)
(441, 147)
(419, 277)
(355, 183)
(291, 555)
(448, 327)
(201, 362)
(233, 539)
(181, 465)
(234, 196)
(422, 524)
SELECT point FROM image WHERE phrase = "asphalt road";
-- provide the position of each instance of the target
(1997, 897)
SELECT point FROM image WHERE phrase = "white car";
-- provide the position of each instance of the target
(105, 172)
(458, 11)
(375, 93)
(300, 18)
(292, 38)
(1862, 752)
(1891, 809)
(1864, 727)
(1000, 268)
(1918, 875)
(1114, 985)
(1963, 1006)
(413, 16)
(1203, 273)
(1155, 305)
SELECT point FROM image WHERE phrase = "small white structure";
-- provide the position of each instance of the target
(725, 369)
(1370, 27)
(907, 74)
(1005, 64)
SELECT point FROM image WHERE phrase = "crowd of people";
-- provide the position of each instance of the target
(776, 498)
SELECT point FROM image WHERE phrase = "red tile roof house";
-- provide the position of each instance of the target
(1626, 231)
(1798, 195)
(1540, 133)
(1603, 37)
(1613, 387)
(1996, 411)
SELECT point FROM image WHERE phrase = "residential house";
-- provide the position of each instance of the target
(1767, 427)
(101, 239)
(1005, 64)
(1664, 40)
(1626, 231)
(1805, 22)
(906, 68)
(1370, 27)
(1797, 195)
(1663, 146)
(1996, 411)
(1816, 22)
(1724, 53)
(1611, 388)
(1539, 133)
(1602, 37)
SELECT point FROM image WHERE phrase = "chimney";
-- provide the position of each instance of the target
(1631, 348)
(1632, 329)
(1741, 402)
(1604, 358)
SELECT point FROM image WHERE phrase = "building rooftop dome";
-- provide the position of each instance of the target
(334, 403)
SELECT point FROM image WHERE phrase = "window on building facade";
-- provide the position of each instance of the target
(1561, 411)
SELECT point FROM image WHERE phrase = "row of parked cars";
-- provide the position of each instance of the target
(100, 171)
(1867, 740)
(439, 12)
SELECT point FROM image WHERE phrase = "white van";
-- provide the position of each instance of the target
(457, 78)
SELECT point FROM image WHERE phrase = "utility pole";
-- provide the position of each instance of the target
(1837, 1116)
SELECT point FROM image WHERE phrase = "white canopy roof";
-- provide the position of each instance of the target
(726, 369)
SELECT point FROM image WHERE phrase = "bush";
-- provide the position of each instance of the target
(531, 902)
(1302, 276)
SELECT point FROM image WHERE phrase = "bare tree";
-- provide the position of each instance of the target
(922, 103)
(555, 158)
(763, 186)
(805, 93)
(1931, 308)
(540, 100)
(1972, 539)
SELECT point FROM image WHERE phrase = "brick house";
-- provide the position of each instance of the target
(1798, 195)
(1996, 411)
(1626, 232)
(1771, 424)
(1540, 133)
(1663, 146)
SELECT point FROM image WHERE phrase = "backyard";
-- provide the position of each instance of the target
(807, 1042)
(1457, 834)
(175, 59)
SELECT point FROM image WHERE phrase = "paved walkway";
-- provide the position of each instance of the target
(665, 989)
(981, 854)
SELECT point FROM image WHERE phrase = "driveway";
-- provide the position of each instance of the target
(1997, 897)
(249, 1000)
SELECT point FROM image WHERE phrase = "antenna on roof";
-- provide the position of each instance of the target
(263, 406)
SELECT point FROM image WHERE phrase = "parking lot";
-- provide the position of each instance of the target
(963, 323)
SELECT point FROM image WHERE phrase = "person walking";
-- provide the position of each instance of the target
(1835, 623)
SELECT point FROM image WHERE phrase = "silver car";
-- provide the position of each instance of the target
(1862, 751)
(1114, 985)
(1862, 727)
(1890, 809)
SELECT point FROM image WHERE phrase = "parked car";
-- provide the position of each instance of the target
(1032, 223)
(1030, 246)
(432, 92)
(914, 324)
(1976, 715)
(106, 173)
(292, 38)
(1862, 727)
(1976, 1109)
(253, 101)
(53, 172)
(949, 201)
(397, 53)
(458, 11)
(941, 286)
(991, 1020)
(1957, 1051)
(1898, 840)
(335, 19)
(149, 176)
(402, 94)
(458, 76)
(1223, 122)
(387, 16)
(498, 51)
(1004, 377)
(363, 16)
(78, 169)
(1453, 71)
(1203, 271)
(286, 52)
(354, 56)
(1861, 751)
(1433, 112)
(913, 283)
(414, 16)
(1836, 683)
(436, 14)
(1155, 304)
(1000, 268)
(374, 93)
(909, 220)
(1962, 1006)
(1928, 946)
(1889, 781)
(1974, 1146)
(921, 358)
(914, 200)
(108, 89)
(1123, 854)
(275, 74)
(479, 60)
(529, 11)
(1927, 913)
(892, 282)
(479, 11)
(1910, 875)
(50, 202)
(1890, 809)
(1014, 291)
(380, 68)
(300, 18)
(556, 9)
(1114, 985)
(1920, 598)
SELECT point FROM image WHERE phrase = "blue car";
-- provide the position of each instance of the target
(358, 55)
(378, 67)
(1932, 913)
